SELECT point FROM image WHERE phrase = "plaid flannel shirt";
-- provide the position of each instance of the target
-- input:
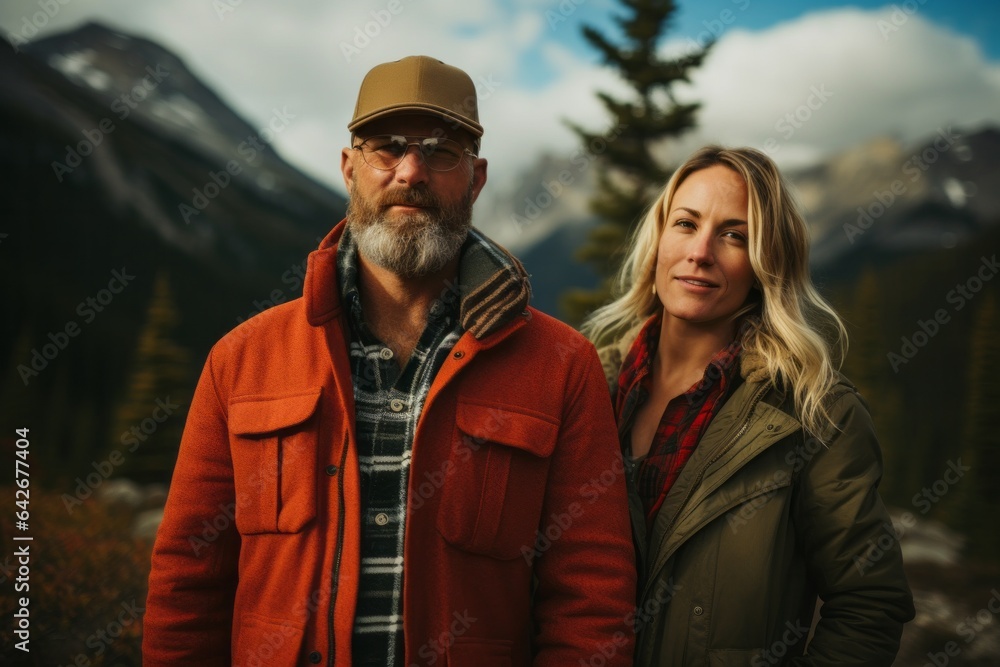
(387, 404)
(683, 421)
(492, 288)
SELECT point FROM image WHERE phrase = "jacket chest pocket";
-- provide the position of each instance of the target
(492, 502)
(274, 442)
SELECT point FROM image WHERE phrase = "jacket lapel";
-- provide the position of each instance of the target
(736, 435)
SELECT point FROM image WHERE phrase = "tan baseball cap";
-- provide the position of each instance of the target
(418, 84)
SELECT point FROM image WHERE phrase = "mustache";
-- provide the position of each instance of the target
(409, 197)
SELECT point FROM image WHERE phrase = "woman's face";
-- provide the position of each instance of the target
(703, 272)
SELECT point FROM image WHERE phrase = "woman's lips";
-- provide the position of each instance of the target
(697, 283)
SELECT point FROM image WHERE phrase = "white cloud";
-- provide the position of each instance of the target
(310, 57)
(861, 79)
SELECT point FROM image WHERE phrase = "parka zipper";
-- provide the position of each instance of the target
(335, 584)
(701, 473)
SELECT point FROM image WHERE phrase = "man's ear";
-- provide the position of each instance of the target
(347, 167)
(478, 176)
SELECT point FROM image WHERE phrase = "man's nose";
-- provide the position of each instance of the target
(412, 168)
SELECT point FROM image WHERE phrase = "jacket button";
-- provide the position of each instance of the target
(331, 470)
(770, 427)
(459, 354)
(698, 611)
(315, 657)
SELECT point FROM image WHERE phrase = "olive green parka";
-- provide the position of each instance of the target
(761, 521)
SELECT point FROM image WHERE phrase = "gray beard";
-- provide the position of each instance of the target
(417, 245)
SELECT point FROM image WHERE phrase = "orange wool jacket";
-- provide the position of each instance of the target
(257, 560)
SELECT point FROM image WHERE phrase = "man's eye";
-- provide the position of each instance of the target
(448, 151)
(387, 145)
(392, 147)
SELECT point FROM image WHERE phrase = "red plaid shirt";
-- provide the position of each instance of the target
(684, 420)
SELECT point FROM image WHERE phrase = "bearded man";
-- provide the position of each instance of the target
(408, 465)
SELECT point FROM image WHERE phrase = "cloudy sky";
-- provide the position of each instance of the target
(801, 80)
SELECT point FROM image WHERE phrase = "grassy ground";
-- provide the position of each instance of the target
(87, 583)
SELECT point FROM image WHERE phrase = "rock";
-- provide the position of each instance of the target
(120, 492)
(146, 524)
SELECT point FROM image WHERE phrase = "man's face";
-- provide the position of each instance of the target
(411, 219)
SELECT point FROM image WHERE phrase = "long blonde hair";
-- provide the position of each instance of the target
(791, 328)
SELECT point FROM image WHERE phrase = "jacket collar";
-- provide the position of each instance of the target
(320, 290)
(492, 284)
(753, 366)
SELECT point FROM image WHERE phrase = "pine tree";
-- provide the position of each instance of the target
(977, 493)
(150, 418)
(868, 368)
(629, 175)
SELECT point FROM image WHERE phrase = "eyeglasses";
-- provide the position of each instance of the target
(386, 151)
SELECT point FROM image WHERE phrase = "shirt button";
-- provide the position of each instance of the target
(385, 353)
(331, 470)
(698, 611)
(381, 518)
(315, 657)
(396, 405)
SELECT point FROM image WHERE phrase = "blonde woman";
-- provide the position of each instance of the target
(752, 462)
